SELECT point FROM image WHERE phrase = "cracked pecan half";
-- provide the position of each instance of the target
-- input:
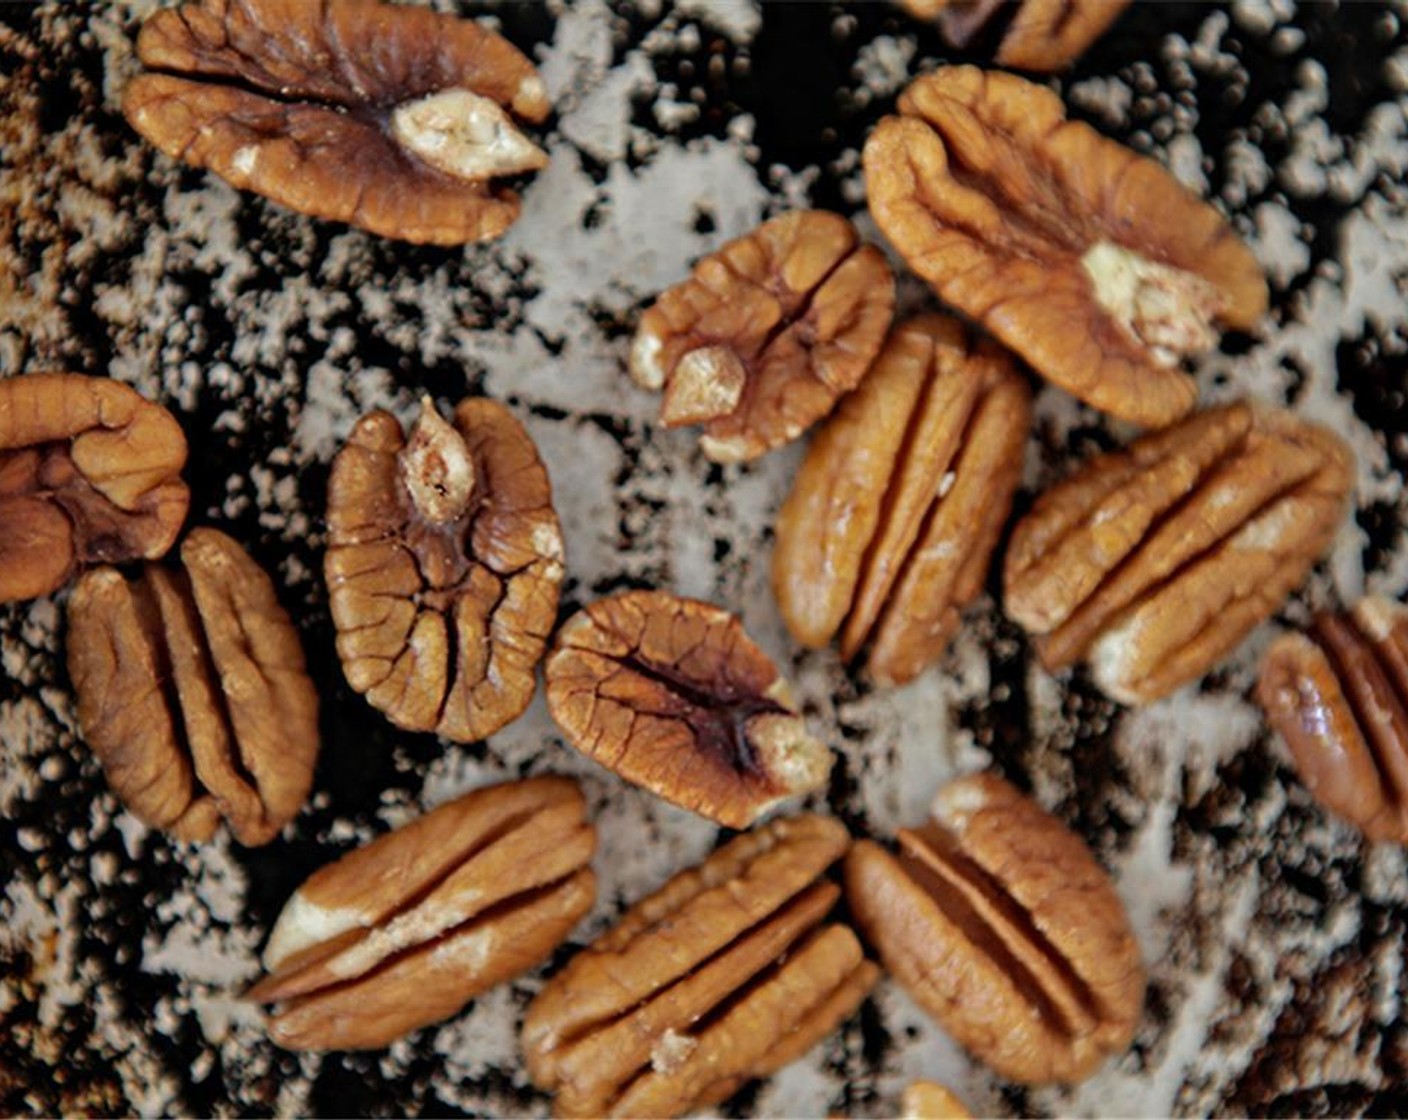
(90, 473)
(1339, 697)
(444, 565)
(999, 922)
(766, 333)
(192, 692)
(724, 975)
(389, 117)
(405, 931)
(672, 695)
(890, 524)
(1041, 35)
(1090, 261)
(1154, 562)
(928, 1100)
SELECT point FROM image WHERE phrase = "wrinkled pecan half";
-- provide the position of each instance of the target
(1091, 262)
(766, 333)
(90, 473)
(672, 695)
(999, 922)
(192, 692)
(405, 931)
(898, 505)
(1339, 697)
(725, 974)
(390, 117)
(1154, 562)
(444, 564)
(928, 1100)
(1042, 35)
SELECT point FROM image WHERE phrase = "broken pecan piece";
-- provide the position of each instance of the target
(1091, 262)
(928, 1100)
(999, 922)
(1154, 562)
(766, 333)
(90, 473)
(672, 695)
(390, 117)
(192, 692)
(1339, 697)
(1042, 35)
(405, 931)
(725, 974)
(898, 505)
(444, 565)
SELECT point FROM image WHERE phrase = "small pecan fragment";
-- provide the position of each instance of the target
(90, 473)
(193, 694)
(1154, 562)
(672, 695)
(999, 922)
(390, 117)
(898, 505)
(405, 931)
(1339, 697)
(1042, 35)
(1091, 262)
(766, 334)
(724, 975)
(444, 564)
(928, 1100)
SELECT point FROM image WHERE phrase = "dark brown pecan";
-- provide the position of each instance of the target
(1043, 35)
(723, 975)
(1339, 697)
(444, 565)
(90, 473)
(766, 334)
(389, 117)
(897, 507)
(1154, 562)
(999, 922)
(1091, 262)
(192, 692)
(672, 695)
(405, 931)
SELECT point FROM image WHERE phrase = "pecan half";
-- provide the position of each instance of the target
(90, 473)
(1339, 697)
(1156, 561)
(928, 1100)
(1091, 262)
(1043, 35)
(898, 505)
(405, 931)
(999, 922)
(192, 692)
(444, 565)
(766, 334)
(390, 117)
(725, 974)
(672, 695)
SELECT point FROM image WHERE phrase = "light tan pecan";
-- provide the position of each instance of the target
(1091, 262)
(999, 922)
(405, 931)
(1041, 35)
(928, 1100)
(389, 117)
(766, 333)
(90, 473)
(1154, 562)
(192, 692)
(672, 695)
(890, 524)
(444, 565)
(1339, 697)
(723, 975)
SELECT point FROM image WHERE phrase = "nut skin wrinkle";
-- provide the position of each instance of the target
(1000, 923)
(671, 695)
(389, 117)
(996, 200)
(1044, 35)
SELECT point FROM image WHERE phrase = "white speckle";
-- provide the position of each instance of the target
(244, 160)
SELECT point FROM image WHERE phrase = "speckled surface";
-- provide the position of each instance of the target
(1275, 937)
